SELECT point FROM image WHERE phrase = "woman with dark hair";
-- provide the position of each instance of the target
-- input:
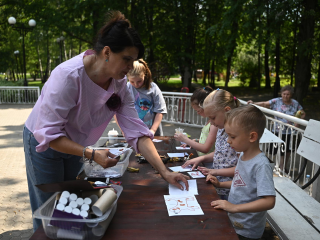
(77, 103)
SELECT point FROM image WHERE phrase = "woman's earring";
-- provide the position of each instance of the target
(107, 60)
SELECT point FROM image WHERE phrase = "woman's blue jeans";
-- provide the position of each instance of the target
(45, 167)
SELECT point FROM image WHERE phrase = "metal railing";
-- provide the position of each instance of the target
(287, 163)
(19, 95)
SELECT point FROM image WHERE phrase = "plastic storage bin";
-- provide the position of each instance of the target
(107, 142)
(85, 229)
(95, 170)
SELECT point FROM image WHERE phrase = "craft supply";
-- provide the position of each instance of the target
(87, 201)
(182, 205)
(65, 194)
(85, 207)
(181, 169)
(196, 174)
(73, 204)
(100, 229)
(79, 202)
(84, 214)
(73, 197)
(63, 200)
(193, 188)
(131, 169)
(60, 206)
(76, 211)
(94, 199)
(104, 202)
(68, 209)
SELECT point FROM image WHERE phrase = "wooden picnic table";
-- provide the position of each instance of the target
(142, 213)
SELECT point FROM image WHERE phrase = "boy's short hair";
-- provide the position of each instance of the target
(247, 117)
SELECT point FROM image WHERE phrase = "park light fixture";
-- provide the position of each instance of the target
(23, 30)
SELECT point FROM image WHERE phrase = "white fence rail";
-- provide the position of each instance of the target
(19, 95)
(287, 163)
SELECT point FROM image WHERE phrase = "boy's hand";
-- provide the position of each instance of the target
(224, 205)
(213, 180)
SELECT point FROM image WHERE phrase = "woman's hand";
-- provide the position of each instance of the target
(105, 158)
(224, 205)
(250, 102)
(180, 137)
(174, 178)
(194, 162)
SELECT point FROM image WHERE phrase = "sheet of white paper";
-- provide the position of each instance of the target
(181, 154)
(182, 205)
(193, 188)
(118, 151)
(181, 169)
(182, 148)
(157, 140)
(196, 174)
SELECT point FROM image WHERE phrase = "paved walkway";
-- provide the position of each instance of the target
(15, 212)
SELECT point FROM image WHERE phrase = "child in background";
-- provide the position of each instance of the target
(224, 157)
(252, 190)
(208, 133)
(148, 99)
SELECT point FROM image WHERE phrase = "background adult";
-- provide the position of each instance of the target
(284, 104)
(77, 103)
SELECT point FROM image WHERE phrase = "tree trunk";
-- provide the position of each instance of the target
(80, 46)
(276, 88)
(228, 72)
(294, 45)
(39, 60)
(266, 50)
(213, 84)
(13, 75)
(305, 46)
(46, 74)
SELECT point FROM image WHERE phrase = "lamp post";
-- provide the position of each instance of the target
(16, 53)
(23, 31)
(60, 42)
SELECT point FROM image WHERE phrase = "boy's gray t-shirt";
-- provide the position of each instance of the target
(252, 180)
(148, 102)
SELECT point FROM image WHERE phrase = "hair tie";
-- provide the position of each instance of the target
(218, 89)
(204, 88)
(234, 98)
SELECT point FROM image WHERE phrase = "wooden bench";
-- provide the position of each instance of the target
(296, 214)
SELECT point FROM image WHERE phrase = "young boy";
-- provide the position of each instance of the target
(252, 190)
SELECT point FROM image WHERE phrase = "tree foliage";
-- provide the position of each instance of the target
(254, 37)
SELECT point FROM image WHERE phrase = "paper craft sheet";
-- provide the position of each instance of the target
(182, 205)
(196, 174)
(182, 148)
(177, 154)
(193, 189)
(181, 169)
